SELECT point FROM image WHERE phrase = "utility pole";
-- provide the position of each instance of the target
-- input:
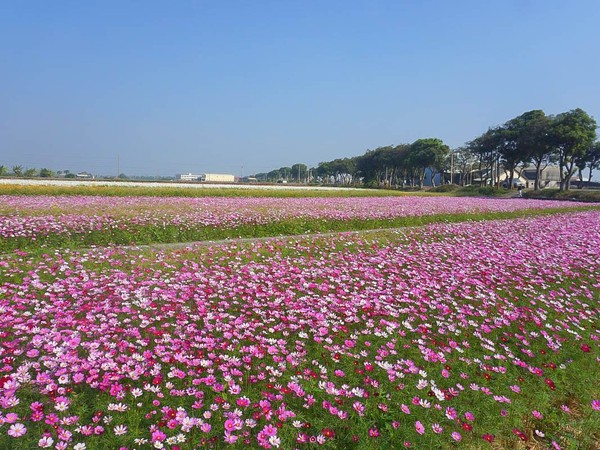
(452, 168)
(118, 167)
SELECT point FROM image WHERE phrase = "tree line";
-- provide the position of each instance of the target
(532, 140)
(20, 171)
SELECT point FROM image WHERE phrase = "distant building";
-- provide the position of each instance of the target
(84, 175)
(217, 178)
(549, 178)
(519, 180)
(187, 177)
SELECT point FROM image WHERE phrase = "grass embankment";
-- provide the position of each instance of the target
(580, 195)
(145, 235)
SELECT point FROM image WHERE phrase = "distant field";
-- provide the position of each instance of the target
(172, 189)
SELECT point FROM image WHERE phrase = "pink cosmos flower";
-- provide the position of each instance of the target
(229, 425)
(45, 442)
(419, 427)
(230, 438)
(374, 432)
(158, 436)
(451, 413)
(11, 418)
(269, 430)
(17, 430)
(456, 436)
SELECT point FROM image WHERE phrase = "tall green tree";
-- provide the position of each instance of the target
(376, 166)
(17, 171)
(299, 172)
(46, 173)
(591, 160)
(570, 135)
(505, 141)
(323, 172)
(367, 167)
(428, 153)
(286, 173)
(3, 171)
(531, 133)
(343, 170)
(484, 149)
(462, 163)
(274, 175)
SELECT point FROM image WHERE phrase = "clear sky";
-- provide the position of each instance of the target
(248, 86)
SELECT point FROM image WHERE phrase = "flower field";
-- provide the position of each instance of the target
(453, 335)
(34, 221)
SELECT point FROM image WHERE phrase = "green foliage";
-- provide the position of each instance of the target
(446, 188)
(484, 191)
(46, 173)
(571, 135)
(299, 172)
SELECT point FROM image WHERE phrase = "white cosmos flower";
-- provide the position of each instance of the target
(120, 430)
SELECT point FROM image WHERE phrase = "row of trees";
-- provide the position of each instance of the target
(20, 171)
(298, 173)
(531, 140)
(384, 166)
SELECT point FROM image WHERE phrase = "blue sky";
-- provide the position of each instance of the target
(248, 86)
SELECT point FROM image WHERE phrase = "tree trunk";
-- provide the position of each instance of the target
(568, 175)
(538, 175)
(480, 173)
(561, 166)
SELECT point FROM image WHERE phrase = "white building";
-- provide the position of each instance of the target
(187, 176)
(217, 178)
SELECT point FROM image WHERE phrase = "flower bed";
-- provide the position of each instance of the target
(451, 335)
(24, 219)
